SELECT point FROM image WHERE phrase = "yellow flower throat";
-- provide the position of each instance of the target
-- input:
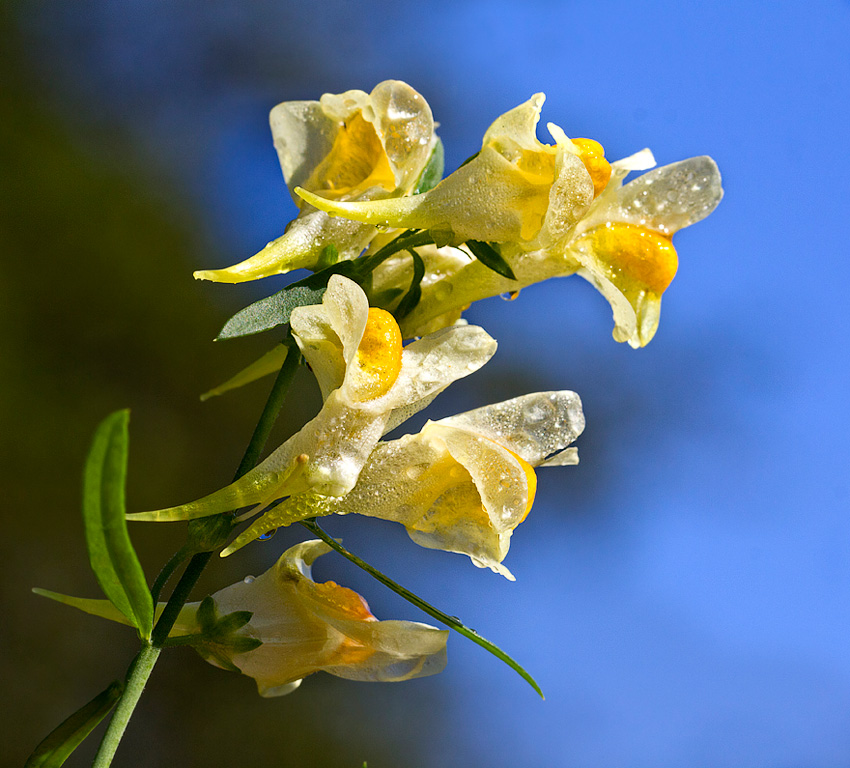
(357, 161)
(633, 254)
(378, 355)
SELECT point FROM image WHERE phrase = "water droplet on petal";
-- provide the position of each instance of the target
(248, 580)
(267, 535)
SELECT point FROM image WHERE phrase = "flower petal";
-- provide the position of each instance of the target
(674, 196)
(430, 364)
(329, 333)
(306, 627)
(534, 426)
(351, 145)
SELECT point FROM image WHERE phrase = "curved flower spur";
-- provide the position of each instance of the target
(348, 146)
(370, 385)
(462, 484)
(282, 626)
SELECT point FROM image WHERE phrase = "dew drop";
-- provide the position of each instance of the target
(248, 580)
(413, 472)
(537, 411)
(267, 535)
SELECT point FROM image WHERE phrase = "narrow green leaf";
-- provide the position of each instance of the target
(411, 298)
(94, 607)
(453, 622)
(410, 238)
(432, 173)
(273, 311)
(60, 743)
(490, 257)
(111, 554)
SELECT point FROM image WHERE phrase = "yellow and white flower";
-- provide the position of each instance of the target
(515, 190)
(555, 211)
(347, 146)
(462, 484)
(370, 385)
(622, 245)
(303, 627)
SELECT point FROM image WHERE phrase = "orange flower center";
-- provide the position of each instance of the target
(593, 156)
(634, 254)
(378, 355)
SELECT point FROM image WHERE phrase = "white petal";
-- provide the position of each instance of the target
(430, 364)
(673, 196)
(533, 426)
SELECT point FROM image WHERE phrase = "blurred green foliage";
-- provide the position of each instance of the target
(98, 311)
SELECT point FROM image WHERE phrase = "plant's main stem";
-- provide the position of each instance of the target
(142, 666)
(137, 676)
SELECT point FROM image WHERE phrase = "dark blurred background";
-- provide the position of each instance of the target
(682, 594)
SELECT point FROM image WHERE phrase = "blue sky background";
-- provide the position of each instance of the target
(683, 595)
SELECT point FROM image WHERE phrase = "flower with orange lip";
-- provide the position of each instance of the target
(622, 245)
(515, 190)
(462, 484)
(348, 146)
(291, 627)
(370, 385)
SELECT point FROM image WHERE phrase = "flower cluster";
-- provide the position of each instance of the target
(554, 211)
(398, 255)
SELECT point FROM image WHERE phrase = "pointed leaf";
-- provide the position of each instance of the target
(59, 744)
(274, 310)
(453, 622)
(432, 173)
(111, 554)
(94, 607)
(207, 615)
(411, 298)
(490, 257)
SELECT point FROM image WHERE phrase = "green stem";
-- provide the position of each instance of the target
(143, 664)
(271, 409)
(137, 677)
(249, 460)
(168, 570)
(413, 238)
(450, 621)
